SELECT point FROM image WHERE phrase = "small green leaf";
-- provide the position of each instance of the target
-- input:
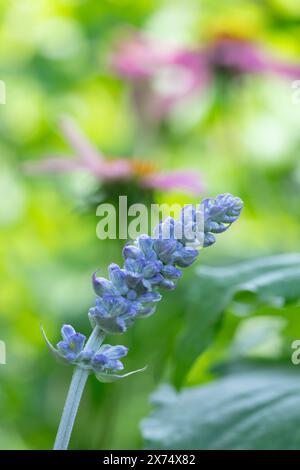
(108, 378)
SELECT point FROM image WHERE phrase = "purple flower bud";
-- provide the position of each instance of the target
(112, 313)
(132, 279)
(114, 352)
(165, 249)
(153, 281)
(146, 311)
(132, 295)
(171, 272)
(185, 256)
(145, 243)
(219, 214)
(72, 344)
(209, 240)
(67, 331)
(117, 277)
(102, 286)
(131, 251)
(167, 284)
(107, 358)
(152, 268)
(150, 297)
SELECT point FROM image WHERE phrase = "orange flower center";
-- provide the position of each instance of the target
(143, 168)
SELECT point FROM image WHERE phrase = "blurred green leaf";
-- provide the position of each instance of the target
(250, 410)
(273, 280)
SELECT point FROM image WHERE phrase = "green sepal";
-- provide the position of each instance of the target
(108, 378)
(58, 356)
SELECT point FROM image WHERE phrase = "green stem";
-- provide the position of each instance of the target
(75, 392)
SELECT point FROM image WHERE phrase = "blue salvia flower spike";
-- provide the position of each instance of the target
(131, 292)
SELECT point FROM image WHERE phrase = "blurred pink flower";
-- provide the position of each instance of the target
(139, 56)
(121, 169)
(136, 57)
(163, 75)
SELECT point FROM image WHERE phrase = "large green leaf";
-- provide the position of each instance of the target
(272, 280)
(250, 410)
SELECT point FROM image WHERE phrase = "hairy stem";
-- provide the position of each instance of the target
(75, 392)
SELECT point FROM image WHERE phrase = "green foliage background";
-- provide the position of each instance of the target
(245, 141)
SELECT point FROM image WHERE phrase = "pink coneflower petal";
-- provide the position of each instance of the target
(134, 57)
(241, 55)
(120, 169)
(80, 144)
(113, 170)
(176, 180)
(247, 57)
(285, 70)
(53, 164)
(92, 160)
